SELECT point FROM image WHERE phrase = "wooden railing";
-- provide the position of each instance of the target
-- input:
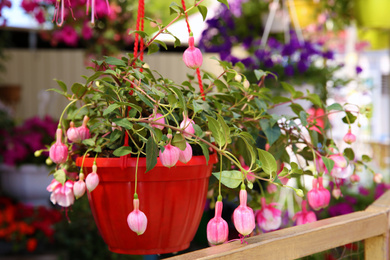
(371, 225)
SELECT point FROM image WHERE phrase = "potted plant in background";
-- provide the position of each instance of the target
(128, 134)
(23, 175)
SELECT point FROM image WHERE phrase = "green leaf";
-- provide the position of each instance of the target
(349, 153)
(335, 106)
(224, 2)
(153, 48)
(366, 158)
(123, 122)
(216, 131)
(121, 151)
(161, 43)
(231, 179)
(182, 102)
(110, 109)
(314, 137)
(225, 129)
(272, 133)
(115, 61)
(198, 131)
(220, 85)
(288, 87)
(78, 89)
(315, 99)
(259, 74)
(179, 141)
(303, 117)
(349, 118)
(203, 10)
(175, 8)
(268, 162)
(140, 33)
(205, 150)
(151, 154)
(89, 142)
(296, 108)
(62, 85)
(60, 176)
(144, 99)
(329, 163)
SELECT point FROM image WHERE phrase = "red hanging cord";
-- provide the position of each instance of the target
(197, 70)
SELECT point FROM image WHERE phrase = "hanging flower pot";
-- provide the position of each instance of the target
(306, 11)
(172, 199)
(373, 13)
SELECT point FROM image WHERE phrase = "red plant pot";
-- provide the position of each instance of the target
(172, 199)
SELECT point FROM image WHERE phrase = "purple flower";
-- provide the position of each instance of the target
(268, 63)
(358, 69)
(380, 189)
(289, 70)
(363, 191)
(328, 55)
(302, 66)
(340, 209)
(273, 43)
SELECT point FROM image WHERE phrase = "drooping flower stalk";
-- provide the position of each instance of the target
(92, 180)
(137, 220)
(58, 151)
(79, 186)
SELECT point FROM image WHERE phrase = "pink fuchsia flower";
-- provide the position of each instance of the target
(87, 31)
(378, 178)
(40, 16)
(69, 35)
(92, 180)
(192, 56)
(243, 216)
(58, 151)
(160, 119)
(318, 196)
(79, 187)
(188, 126)
(341, 168)
(217, 228)
(170, 156)
(83, 129)
(73, 134)
(349, 138)
(186, 155)
(137, 220)
(304, 216)
(29, 5)
(268, 218)
(61, 194)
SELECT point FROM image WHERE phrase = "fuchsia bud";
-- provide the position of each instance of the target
(304, 216)
(336, 192)
(79, 187)
(318, 197)
(92, 180)
(161, 121)
(272, 188)
(83, 129)
(188, 126)
(349, 138)
(354, 178)
(378, 178)
(250, 176)
(170, 156)
(243, 217)
(268, 218)
(217, 228)
(137, 220)
(186, 155)
(73, 134)
(192, 56)
(58, 151)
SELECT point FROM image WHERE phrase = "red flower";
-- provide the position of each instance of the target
(31, 244)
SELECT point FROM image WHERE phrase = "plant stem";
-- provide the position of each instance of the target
(136, 173)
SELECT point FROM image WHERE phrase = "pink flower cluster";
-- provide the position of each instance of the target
(171, 154)
(318, 196)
